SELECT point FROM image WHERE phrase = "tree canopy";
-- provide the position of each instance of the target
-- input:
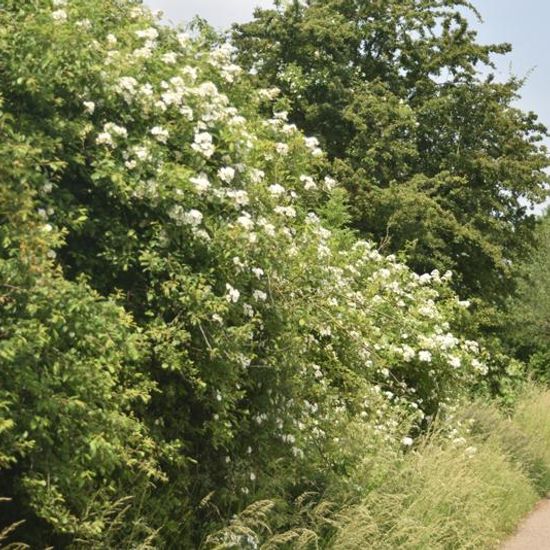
(437, 160)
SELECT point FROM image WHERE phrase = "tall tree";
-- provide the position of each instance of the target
(438, 161)
(529, 311)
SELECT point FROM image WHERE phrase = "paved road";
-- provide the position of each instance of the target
(534, 531)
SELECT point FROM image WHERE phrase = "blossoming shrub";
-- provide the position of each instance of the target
(270, 333)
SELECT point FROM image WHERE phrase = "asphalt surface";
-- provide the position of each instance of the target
(534, 531)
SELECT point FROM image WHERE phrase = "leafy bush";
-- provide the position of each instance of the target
(71, 445)
(187, 322)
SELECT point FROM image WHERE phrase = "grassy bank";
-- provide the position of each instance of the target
(467, 490)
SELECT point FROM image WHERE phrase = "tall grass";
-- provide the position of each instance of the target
(465, 485)
(469, 493)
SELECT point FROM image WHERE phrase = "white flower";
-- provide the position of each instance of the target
(104, 138)
(141, 153)
(230, 71)
(137, 11)
(427, 310)
(248, 310)
(207, 89)
(454, 362)
(269, 94)
(239, 196)
(288, 211)
(407, 441)
(424, 279)
(200, 182)
(257, 175)
(269, 228)
(84, 24)
(149, 34)
(144, 53)
(311, 142)
(59, 3)
(276, 189)
(89, 107)
(116, 130)
(329, 183)
(233, 294)
(480, 367)
(169, 58)
(190, 72)
(226, 174)
(308, 182)
(183, 39)
(127, 87)
(282, 148)
(187, 112)
(60, 16)
(146, 90)
(246, 221)
(160, 134)
(203, 144)
(252, 476)
(193, 217)
(425, 356)
(111, 39)
(260, 295)
(258, 271)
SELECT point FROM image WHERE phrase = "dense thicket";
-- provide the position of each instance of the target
(438, 161)
(191, 338)
(186, 328)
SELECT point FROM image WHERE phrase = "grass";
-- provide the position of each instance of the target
(445, 495)
(452, 491)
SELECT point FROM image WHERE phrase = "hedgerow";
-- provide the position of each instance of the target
(189, 328)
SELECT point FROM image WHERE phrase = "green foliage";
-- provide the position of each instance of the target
(189, 335)
(528, 319)
(437, 160)
(70, 443)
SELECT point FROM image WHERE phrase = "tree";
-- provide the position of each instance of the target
(529, 310)
(436, 159)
